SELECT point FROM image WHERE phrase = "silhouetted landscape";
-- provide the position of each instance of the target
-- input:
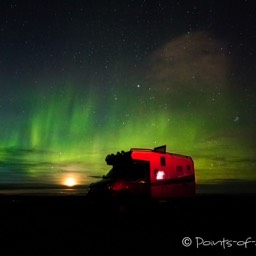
(57, 223)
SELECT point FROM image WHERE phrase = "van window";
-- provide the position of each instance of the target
(135, 170)
(178, 168)
(162, 159)
(139, 171)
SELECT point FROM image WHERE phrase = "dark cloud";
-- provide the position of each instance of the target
(197, 61)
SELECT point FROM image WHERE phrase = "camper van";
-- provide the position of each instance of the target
(145, 174)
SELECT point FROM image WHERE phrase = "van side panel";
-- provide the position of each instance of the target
(182, 177)
(170, 175)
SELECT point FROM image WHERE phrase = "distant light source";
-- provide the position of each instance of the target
(70, 182)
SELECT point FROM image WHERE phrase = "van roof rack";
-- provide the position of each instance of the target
(142, 149)
(161, 149)
(119, 157)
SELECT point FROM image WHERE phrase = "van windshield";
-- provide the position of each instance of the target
(130, 171)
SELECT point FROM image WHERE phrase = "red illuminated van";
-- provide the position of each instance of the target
(141, 173)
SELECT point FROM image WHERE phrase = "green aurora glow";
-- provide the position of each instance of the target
(186, 92)
(70, 131)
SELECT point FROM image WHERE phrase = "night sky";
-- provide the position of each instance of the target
(82, 79)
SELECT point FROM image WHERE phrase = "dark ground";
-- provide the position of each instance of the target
(54, 225)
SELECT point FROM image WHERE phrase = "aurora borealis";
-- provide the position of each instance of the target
(82, 79)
